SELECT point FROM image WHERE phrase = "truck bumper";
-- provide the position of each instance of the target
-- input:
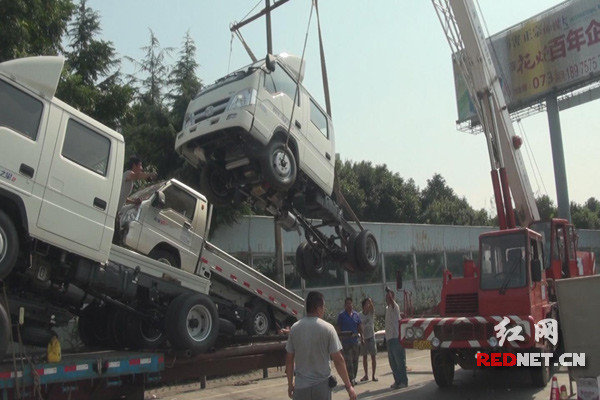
(239, 118)
(464, 332)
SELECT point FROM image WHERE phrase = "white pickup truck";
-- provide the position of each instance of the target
(258, 134)
(60, 180)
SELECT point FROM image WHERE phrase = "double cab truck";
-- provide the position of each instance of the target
(257, 134)
(60, 181)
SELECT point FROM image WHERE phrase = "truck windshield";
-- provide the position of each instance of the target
(503, 261)
(145, 193)
(232, 77)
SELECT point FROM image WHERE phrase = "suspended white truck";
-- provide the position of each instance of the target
(257, 134)
(60, 181)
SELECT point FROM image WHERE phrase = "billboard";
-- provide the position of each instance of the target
(555, 51)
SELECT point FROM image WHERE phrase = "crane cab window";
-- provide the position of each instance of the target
(503, 262)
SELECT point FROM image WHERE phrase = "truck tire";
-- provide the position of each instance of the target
(93, 325)
(213, 182)
(117, 324)
(143, 335)
(540, 375)
(165, 256)
(309, 263)
(279, 166)
(443, 368)
(192, 323)
(34, 335)
(258, 321)
(366, 252)
(9, 245)
(4, 331)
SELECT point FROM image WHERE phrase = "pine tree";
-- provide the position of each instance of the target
(183, 80)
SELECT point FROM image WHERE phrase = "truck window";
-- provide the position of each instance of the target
(180, 201)
(279, 81)
(86, 147)
(318, 118)
(19, 111)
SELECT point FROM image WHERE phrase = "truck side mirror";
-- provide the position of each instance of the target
(159, 201)
(536, 270)
(270, 62)
(398, 280)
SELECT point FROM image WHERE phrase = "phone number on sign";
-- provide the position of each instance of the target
(573, 71)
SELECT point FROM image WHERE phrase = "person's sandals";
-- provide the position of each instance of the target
(375, 379)
(364, 378)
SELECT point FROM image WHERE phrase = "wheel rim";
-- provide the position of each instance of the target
(165, 261)
(371, 250)
(282, 164)
(261, 323)
(3, 244)
(150, 333)
(199, 323)
(218, 183)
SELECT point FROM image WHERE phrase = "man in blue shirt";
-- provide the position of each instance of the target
(349, 321)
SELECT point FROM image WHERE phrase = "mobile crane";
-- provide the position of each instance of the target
(513, 277)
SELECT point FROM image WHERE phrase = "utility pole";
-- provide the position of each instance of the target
(268, 19)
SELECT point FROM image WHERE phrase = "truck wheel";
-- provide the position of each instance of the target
(258, 322)
(93, 325)
(300, 261)
(117, 322)
(366, 252)
(165, 257)
(443, 368)
(540, 375)
(9, 245)
(213, 181)
(4, 331)
(192, 322)
(278, 166)
(309, 262)
(142, 334)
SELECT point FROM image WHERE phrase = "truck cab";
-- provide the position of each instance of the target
(169, 224)
(236, 130)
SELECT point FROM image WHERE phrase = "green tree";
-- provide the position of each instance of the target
(88, 82)
(183, 80)
(583, 217)
(546, 208)
(32, 27)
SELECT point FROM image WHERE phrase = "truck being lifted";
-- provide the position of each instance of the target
(515, 275)
(61, 180)
(258, 135)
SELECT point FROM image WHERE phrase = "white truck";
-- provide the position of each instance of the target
(60, 180)
(258, 134)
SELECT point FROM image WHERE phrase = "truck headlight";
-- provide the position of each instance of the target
(418, 333)
(435, 342)
(241, 99)
(187, 121)
(410, 333)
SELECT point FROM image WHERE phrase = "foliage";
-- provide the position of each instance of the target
(88, 82)
(32, 27)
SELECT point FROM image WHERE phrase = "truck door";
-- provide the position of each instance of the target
(23, 120)
(175, 222)
(80, 183)
(319, 153)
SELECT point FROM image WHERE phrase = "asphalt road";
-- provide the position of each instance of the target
(507, 383)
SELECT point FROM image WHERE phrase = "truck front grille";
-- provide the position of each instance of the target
(462, 304)
(210, 110)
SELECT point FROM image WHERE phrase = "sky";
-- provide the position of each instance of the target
(390, 77)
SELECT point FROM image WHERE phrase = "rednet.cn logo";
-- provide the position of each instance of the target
(546, 329)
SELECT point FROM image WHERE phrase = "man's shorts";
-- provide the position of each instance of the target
(368, 347)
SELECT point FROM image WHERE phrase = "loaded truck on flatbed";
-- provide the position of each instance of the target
(60, 180)
(513, 281)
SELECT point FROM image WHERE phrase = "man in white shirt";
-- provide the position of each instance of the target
(311, 343)
(396, 353)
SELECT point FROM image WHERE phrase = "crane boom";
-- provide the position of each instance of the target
(465, 35)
